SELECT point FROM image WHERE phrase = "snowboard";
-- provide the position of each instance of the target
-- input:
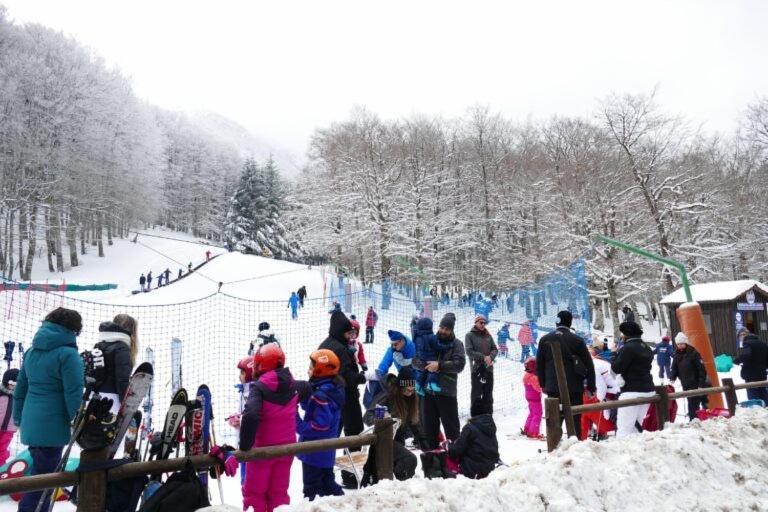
(138, 388)
(131, 436)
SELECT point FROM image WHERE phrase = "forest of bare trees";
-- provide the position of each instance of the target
(482, 202)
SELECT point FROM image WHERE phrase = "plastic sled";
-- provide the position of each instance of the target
(754, 402)
(708, 414)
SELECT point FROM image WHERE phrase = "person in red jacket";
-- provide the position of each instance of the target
(7, 426)
(532, 427)
(356, 347)
(269, 419)
(370, 323)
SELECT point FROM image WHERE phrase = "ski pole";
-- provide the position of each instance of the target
(216, 468)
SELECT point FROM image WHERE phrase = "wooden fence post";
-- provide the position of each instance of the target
(562, 387)
(730, 396)
(384, 447)
(554, 423)
(662, 407)
(92, 492)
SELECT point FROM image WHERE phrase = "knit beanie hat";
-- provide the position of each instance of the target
(448, 321)
(564, 319)
(630, 329)
(479, 317)
(11, 375)
(395, 336)
(405, 378)
(681, 338)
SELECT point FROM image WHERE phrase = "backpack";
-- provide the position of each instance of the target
(182, 492)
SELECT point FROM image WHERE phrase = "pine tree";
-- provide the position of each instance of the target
(254, 223)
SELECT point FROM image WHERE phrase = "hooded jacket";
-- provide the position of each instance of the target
(50, 387)
(115, 345)
(545, 363)
(689, 368)
(450, 363)
(753, 359)
(477, 345)
(664, 352)
(269, 417)
(336, 342)
(477, 448)
(400, 358)
(322, 414)
(633, 362)
(6, 410)
(406, 430)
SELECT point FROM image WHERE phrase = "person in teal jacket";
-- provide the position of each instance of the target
(48, 394)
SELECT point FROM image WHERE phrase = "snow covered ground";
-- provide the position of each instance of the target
(216, 328)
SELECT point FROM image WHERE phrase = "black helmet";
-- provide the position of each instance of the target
(264, 326)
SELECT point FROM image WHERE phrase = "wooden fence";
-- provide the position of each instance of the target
(555, 409)
(93, 484)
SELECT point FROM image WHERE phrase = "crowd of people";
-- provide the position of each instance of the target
(43, 397)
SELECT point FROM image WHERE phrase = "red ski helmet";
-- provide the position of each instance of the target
(267, 357)
(324, 363)
(530, 364)
(246, 365)
(355, 326)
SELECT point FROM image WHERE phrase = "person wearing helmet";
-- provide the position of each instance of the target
(356, 347)
(7, 426)
(340, 333)
(533, 397)
(269, 419)
(322, 412)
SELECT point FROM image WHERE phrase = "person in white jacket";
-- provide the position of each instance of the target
(605, 382)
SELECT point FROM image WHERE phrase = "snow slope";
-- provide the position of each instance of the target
(714, 465)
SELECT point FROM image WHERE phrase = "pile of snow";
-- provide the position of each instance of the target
(715, 292)
(714, 465)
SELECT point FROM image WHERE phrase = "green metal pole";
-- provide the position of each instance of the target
(655, 257)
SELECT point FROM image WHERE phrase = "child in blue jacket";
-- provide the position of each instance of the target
(664, 352)
(322, 414)
(428, 348)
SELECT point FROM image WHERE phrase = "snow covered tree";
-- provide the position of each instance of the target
(254, 219)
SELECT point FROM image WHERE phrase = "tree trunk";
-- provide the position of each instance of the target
(23, 230)
(83, 234)
(109, 231)
(72, 240)
(51, 248)
(599, 321)
(613, 308)
(99, 232)
(56, 216)
(94, 239)
(31, 246)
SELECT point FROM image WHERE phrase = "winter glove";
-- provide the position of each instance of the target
(234, 421)
(226, 460)
(371, 375)
(364, 366)
(360, 378)
(352, 347)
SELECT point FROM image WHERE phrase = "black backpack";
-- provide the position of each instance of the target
(182, 492)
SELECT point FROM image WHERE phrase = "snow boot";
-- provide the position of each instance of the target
(430, 465)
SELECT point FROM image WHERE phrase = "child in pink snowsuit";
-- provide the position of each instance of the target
(533, 395)
(7, 426)
(269, 418)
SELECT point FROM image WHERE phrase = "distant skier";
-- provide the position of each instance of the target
(302, 293)
(181, 273)
(167, 275)
(160, 280)
(189, 267)
(207, 255)
(664, 354)
(293, 303)
(149, 281)
(143, 282)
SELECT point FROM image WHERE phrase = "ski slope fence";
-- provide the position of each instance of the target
(216, 331)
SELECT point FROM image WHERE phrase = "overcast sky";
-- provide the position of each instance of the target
(283, 68)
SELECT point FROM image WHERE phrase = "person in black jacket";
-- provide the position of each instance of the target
(476, 449)
(753, 358)
(689, 368)
(118, 342)
(576, 360)
(339, 335)
(633, 362)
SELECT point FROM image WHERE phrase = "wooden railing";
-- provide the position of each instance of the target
(93, 484)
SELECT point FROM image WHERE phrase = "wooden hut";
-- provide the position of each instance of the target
(728, 306)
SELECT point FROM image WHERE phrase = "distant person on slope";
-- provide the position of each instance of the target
(503, 338)
(370, 323)
(753, 358)
(293, 303)
(629, 315)
(118, 342)
(143, 282)
(48, 394)
(663, 352)
(302, 293)
(149, 280)
(167, 275)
